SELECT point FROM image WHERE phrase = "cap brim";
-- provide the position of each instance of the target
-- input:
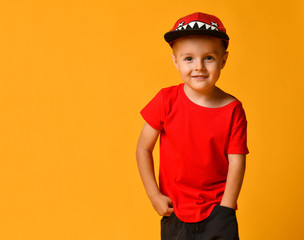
(174, 35)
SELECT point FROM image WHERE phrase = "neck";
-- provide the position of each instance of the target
(207, 98)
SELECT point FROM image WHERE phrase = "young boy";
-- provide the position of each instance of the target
(203, 142)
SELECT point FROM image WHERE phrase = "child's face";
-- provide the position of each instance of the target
(199, 59)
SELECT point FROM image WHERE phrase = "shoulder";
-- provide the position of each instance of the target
(233, 104)
(170, 94)
(226, 99)
(164, 96)
(238, 111)
(170, 90)
(229, 98)
(236, 104)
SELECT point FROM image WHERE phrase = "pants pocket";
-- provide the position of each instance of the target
(166, 219)
(222, 224)
(173, 229)
(225, 209)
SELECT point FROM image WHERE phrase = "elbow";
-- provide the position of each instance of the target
(142, 152)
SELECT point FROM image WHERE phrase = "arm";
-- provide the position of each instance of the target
(148, 137)
(236, 171)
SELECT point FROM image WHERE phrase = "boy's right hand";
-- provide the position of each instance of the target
(162, 204)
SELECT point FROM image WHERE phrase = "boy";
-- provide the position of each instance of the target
(203, 143)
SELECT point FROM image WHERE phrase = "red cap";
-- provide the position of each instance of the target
(197, 24)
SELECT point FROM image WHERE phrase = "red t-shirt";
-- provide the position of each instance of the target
(194, 145)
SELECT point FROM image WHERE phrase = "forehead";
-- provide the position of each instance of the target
(198, 43)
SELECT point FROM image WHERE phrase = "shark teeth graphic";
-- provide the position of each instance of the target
(197, 25)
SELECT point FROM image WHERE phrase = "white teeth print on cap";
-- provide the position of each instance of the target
(197, 25)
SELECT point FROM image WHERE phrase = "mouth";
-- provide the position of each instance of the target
(199, 77)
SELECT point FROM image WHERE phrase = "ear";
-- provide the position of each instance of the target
(174, 61)
(224, 59)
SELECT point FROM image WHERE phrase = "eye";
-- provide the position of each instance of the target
(188, 59)
(208, 58)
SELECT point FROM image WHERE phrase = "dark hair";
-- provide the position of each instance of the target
(225, 44)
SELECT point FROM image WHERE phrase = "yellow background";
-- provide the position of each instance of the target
(74, 76)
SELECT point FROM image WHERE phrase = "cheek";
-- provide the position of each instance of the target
(184, 70)
(214, 67)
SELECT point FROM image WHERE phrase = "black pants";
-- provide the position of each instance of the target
(220, 225)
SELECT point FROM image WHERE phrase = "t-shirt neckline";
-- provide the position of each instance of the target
(181, 88)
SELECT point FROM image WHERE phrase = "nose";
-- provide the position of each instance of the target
(200, 65)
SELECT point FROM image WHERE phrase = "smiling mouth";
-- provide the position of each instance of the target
(199, 76)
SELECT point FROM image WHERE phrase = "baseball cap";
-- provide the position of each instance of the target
(197, 24)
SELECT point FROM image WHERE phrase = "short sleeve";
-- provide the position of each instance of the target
(238, 136)
(153, 113)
